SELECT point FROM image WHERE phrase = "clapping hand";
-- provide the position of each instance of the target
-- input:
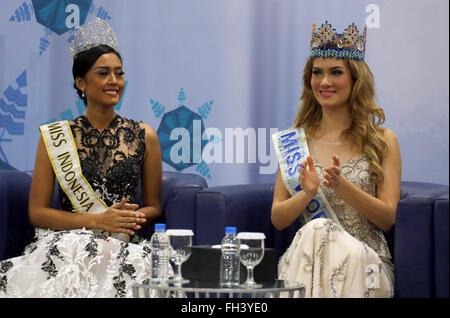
(332, 173)
(309, 179)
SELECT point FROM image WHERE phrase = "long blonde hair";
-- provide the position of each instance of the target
(365, 131)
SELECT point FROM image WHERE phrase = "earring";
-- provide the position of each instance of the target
(82, 94)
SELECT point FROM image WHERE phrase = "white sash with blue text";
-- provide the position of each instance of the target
(63, 155)
(292, 149)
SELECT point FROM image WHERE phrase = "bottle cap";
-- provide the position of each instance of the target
(180, 232)
(251, 236)
(160, 227)
(230, 230)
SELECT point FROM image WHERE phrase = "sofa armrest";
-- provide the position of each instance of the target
(421, 241)
(414, 249)
(441, 259)
(16, 230)
(177, 202)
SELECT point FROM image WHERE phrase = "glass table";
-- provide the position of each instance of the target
(205, 289)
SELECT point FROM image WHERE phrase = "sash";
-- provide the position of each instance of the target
(292, 149)
(63, 155)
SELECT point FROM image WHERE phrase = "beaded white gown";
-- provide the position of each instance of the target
(353, 261)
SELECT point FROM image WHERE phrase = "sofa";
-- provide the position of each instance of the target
(177, 205)
(418, 241)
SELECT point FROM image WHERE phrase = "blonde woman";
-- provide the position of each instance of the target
(340, 173)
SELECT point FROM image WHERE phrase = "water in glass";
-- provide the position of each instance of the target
(180, 250)
(252, 252)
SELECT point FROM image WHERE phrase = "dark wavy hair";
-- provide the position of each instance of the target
(84, 60)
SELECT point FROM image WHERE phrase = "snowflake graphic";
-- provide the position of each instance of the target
(14, 101)
(192, 124)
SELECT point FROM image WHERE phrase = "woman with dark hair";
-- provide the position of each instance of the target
(88, 248)
(340, 173)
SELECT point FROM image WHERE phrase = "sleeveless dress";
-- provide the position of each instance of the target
(353, 261)
(84, 263)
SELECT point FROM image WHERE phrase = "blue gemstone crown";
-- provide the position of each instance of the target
(327, 43)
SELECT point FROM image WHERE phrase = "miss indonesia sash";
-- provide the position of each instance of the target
(62, 151)
(292, 149)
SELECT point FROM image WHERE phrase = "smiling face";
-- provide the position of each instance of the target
(331, 82)
(103, 84)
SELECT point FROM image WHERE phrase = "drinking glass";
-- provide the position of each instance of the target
(252, 252)
(180, 250)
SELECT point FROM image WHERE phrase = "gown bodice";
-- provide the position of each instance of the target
(357, 171)
(111, 160)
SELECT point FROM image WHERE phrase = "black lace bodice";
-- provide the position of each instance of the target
(111, 160)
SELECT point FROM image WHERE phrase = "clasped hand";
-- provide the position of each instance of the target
(310, 181)
(122, 218)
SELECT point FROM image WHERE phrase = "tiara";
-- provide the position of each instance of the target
(326, 42)
(96, 32)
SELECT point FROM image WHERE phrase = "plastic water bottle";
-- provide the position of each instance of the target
(159, 243)
(230, 261)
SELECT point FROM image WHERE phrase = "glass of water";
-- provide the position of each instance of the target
(180, 250)
(252, 252)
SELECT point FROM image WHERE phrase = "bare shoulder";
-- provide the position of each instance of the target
(150, 133)
(390, 135)
(393, 144)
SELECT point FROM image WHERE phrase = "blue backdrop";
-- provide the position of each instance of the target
(215, 78)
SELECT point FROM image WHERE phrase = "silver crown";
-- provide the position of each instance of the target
(96, 32)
